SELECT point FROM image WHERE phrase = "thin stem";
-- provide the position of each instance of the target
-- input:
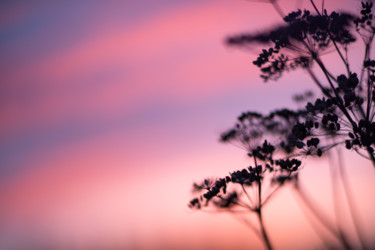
(339, 102)
(325, 71)
(321, 218)
(336, 196)
(363, 65)
(369, 99)
(322, 235)
(317, 82)
(246, 223)
(334, 43)
(259, 184)
(351, 203)
(263, 230)
(247, 195)
(316, 9)
(276, 6)
(340, 54)
(332, 77)
(271, 194)
(372, 157)
(361, 77)
(259, 209)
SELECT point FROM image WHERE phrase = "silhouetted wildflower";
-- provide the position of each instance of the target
(342, 114)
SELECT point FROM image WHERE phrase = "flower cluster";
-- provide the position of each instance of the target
(239, 181)
(304, 34)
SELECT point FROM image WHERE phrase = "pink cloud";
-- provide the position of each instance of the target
(176, 54)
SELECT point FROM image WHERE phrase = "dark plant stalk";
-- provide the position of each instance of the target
(336, 203)
(264, 233)
(368, 84)
(321, 218)
(336, 194)
(259, 210)
(372, 157)
(246, 223)
(340, 54)
(317, 82)
(271, 194)
(342, 107)
(367, 49)
(276, 6)
(259, 184)
(334, 43)
(363, 66)
(369, 151)
(311, 220)
(351, 203)
(247, 195)
(367, 55)
(325, 71)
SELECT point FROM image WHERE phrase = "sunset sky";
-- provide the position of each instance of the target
(111, 109)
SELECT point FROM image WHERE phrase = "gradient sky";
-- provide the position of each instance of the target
(111, 110)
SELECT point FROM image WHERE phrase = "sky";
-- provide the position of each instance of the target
(110, 110)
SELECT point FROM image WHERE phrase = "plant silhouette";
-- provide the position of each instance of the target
(277, 143)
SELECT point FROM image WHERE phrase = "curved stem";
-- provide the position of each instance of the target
(321, 218)
(263, 230)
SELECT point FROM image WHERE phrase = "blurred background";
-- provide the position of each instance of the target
(111, 109)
